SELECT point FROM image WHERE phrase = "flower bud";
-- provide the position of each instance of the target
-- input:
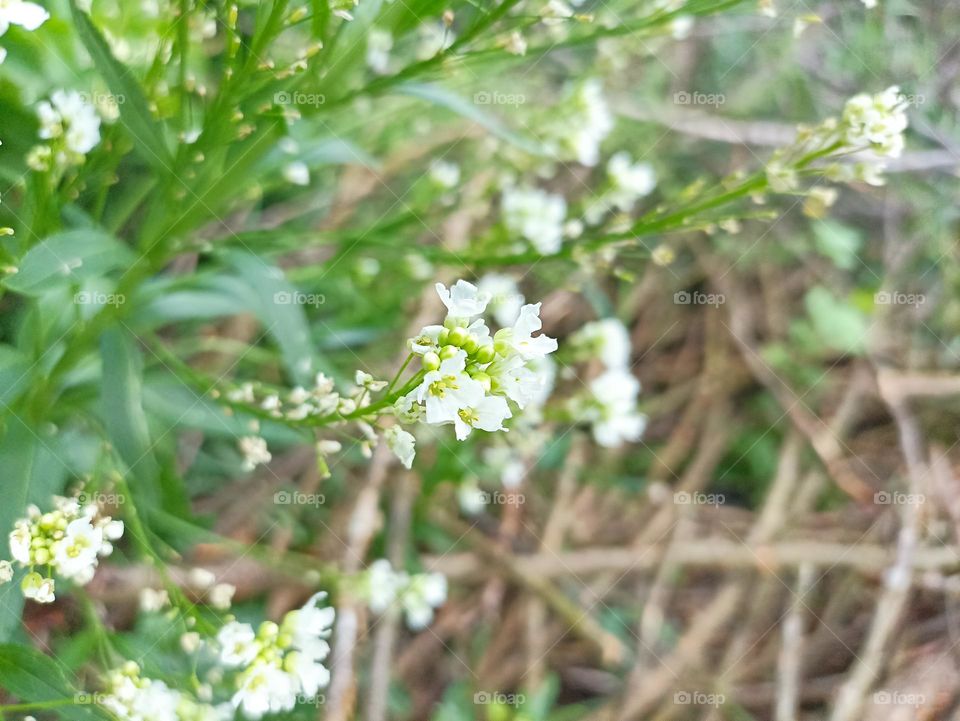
(485, 354)
(431, 361)
(444, 336)
(458, 336)
(448, 351)
(471, 345)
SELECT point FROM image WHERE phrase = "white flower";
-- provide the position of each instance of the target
(448, 389)
(383, 585)
(238, 644)
(379, 44)
(581, 124)
(630, 180)
(445, 174)
(463, 300)
(515, 44)
(555, 12)
(402, 444)
(6, 571)
(221, 595)
(38, 588)
(70, 116)
(536, 215)
(606, 339)
(20, 539)
(505, 297)
(615, 391)
(424, 593)
(265, 689)
(309, 672)
(520, 338)
(488, 414)
(434, 38)
(75, 556)
(152, 600)
(296, 173)
(201, 578)
(876, 121)
(310, 625)
(27, 15)
(472, 500)
(255, 453)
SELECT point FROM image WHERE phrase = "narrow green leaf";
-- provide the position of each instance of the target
(135, 114)
(469, 110)
(70, 256)
(35, 678)
(122, 397)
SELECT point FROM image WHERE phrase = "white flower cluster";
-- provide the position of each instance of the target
(418, 594)
(611, 404)
(628, 182)
(72, 126)
(468, 375)
(27, 15)
(580, 124)
(876, 122)
(68, 540)
(278, 664)
(868, 123)
(535, 215)
(132, 697)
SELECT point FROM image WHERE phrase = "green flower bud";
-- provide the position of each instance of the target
(458, 336)
(471, 345)
(485, 354)
(444, 335)
(431, 361)
(41, 556)
(501, 347)
(448, 351)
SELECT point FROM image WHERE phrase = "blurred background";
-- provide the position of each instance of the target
(780, 543)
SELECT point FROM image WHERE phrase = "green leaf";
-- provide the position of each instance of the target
(36, 678)
(469, 110)
(838, 242)
(69, 256)
(135, 114)
(837, 323)
(122, 396)
(284, 319)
